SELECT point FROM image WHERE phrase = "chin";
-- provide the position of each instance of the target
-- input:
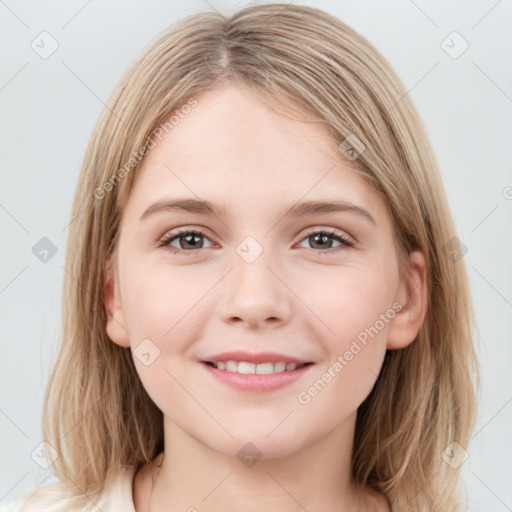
(257, 446)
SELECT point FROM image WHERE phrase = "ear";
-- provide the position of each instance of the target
(116, 325)
(412, 295)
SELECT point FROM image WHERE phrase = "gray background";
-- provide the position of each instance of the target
(49, 107)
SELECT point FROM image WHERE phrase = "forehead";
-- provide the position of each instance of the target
(233, 148)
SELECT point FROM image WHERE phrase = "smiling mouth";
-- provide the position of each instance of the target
(247, 368)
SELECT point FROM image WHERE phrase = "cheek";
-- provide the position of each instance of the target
(350, 300)
(354, 307)
(161, 303)
(160, 310)
(163, 312)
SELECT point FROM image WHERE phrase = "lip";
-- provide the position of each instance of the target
(254, 382)
(261, 357)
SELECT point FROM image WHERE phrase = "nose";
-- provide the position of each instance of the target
(255, 294)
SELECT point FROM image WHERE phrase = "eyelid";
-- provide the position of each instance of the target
(331, 231)
(173, 234)
(345, 240)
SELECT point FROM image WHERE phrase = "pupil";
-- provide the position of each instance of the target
(318, 239)
(190, 238)
(323, 239)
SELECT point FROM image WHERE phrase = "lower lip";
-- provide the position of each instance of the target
(254, 382)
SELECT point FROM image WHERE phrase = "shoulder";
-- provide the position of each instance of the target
(43, 498)
(55, 498)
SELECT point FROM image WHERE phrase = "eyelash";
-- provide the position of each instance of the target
(170, 237)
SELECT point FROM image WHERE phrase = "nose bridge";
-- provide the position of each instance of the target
(252, 274)
(254, 292)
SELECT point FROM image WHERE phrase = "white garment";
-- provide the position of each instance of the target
(115, 498)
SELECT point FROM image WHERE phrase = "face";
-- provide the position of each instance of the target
(255, 277)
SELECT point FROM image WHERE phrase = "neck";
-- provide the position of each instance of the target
(193, 476)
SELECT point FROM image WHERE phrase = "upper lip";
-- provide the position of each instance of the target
(261, 357)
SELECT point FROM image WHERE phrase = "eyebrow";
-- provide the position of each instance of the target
(207, 208)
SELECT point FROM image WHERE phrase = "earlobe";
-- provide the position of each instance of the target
(116, 330)
(413, 297)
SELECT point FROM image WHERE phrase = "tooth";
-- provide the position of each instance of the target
(231, 366)
(264, 368)
(246, 368)
(279, 367)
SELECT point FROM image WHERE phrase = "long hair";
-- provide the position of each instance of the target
(97, 414)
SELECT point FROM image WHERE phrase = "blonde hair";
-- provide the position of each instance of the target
(97, 414)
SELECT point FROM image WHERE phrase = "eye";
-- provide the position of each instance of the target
(189, 240)
(322, 239)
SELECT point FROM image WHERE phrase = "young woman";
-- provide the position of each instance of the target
(260, 310)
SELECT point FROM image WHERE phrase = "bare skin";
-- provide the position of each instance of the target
(143, 486)
(233, 149)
